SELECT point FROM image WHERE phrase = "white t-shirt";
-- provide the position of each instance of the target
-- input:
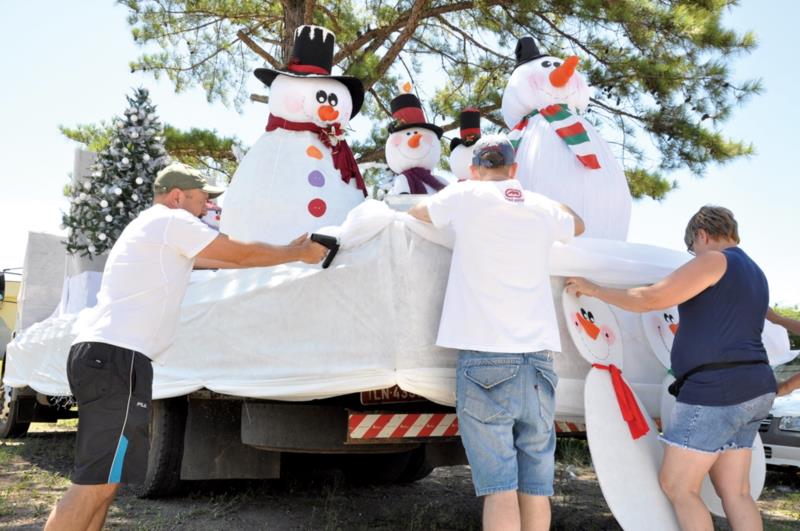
(144, 281)
(498, 294)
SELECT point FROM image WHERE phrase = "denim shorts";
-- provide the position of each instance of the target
(506, 409)
(713, 429)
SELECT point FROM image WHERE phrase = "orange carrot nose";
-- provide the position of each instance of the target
(327, 113)
(674, 328)
(560, 76)
(414, 140)
(589, 327)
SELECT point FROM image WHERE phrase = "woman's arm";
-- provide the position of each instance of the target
(681, 285)
(792, 325)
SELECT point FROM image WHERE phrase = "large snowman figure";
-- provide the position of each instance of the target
(413, 148)
(461, 146)
(560, 154)
(300, 175)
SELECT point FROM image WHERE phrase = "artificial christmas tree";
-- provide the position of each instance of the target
(120, 184)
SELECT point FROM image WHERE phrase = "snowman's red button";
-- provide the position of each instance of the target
(317, 207)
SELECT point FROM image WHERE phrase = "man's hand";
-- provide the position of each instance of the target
(578, 286)
(308, 251)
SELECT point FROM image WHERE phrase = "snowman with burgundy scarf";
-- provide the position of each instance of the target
(300, 175)
(560, 154)
(413, 148)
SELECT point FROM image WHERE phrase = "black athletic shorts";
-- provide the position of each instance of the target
(113, 387)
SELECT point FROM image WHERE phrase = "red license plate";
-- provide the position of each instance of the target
(390, 395)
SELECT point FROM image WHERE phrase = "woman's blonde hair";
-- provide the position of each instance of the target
(717, 221)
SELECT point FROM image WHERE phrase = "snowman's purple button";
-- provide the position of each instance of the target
(315, 178)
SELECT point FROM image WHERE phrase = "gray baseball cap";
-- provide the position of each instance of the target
(178, 175)
(493, 151)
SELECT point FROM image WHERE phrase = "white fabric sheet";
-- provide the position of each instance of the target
(297, 332)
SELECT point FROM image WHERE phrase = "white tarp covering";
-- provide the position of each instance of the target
(297, 332)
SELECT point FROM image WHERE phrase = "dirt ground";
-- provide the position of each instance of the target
(34, 474)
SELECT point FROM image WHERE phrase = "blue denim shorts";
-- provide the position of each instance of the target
(714, 429)
(506, 409)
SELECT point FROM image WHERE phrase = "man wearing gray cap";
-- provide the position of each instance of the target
(138, 306)
(498, 312)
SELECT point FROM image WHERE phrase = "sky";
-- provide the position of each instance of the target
(66, 62)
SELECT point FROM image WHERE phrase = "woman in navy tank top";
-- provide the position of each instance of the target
(727, 384)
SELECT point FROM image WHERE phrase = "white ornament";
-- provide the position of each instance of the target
(83, 196)
(103, 204)
(139, 180)
(125, 160)
(145, 157)
(91, 249)
(118, 190)
(109, 218)
(134, 197)
(101, 237)
(87, 185)
(134, 134)
(120, 204)
(134, 118)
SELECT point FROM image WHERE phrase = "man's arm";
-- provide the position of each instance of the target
(420, 211)
(230, 253)
(579, 225)
(787, 386)
(208, 263)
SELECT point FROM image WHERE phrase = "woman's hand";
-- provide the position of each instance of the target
(578, 286)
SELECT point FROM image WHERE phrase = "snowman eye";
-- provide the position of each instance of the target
(322, 96)
(333, 100)
(546, 64)
(583, 313)
(591, 317)
(557, 64)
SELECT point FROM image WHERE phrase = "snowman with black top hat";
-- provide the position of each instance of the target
(413, 148)
(461, 147)
(560, 154)
(301, 174)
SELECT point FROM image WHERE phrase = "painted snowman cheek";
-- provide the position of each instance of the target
(396, 140)
(293, 103)
(608, 335)
(533, 81)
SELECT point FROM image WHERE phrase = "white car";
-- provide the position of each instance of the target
(780, 432)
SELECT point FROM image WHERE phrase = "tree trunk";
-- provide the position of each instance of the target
(294, 12)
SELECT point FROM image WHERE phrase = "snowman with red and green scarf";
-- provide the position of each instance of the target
(300, 175)
(560, 154)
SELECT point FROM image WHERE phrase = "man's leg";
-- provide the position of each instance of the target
(731, 478)
(501, 511)
(681, 477)
(534, 512)
(82, 507)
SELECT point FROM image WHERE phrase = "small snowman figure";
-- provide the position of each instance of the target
(461, 146)
(560, 154)
(301, 174)
(413, 148)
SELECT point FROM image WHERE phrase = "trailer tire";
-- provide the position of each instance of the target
(416, 468)
(383, 469)
(9, 427)
(167, 429)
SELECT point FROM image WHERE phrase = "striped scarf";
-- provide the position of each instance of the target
(568, 127)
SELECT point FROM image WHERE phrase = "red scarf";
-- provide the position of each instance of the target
(627, 402)
(333, 139)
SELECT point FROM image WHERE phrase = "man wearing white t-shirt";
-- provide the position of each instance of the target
(138, 305)
(498, 312)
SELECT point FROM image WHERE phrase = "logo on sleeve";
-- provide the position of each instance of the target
(514, 195)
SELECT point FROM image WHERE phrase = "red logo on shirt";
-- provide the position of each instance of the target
(514, 195)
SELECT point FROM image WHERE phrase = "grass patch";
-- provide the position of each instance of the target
(573, 452)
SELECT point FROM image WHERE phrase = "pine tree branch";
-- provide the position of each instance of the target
(395, 49)
(261, 52)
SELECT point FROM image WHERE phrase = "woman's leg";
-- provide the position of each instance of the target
(681, 476)
(731, 478)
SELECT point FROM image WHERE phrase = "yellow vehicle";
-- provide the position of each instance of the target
(9, 290)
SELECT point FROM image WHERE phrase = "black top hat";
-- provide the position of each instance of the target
(407, 113)
(527, 51)
(469, 128)
(312, 56)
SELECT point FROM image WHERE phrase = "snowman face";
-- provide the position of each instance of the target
(660, 328)
(531, 86)
(460, 160)
(594, 329)
(416, 147)
(321, 101)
